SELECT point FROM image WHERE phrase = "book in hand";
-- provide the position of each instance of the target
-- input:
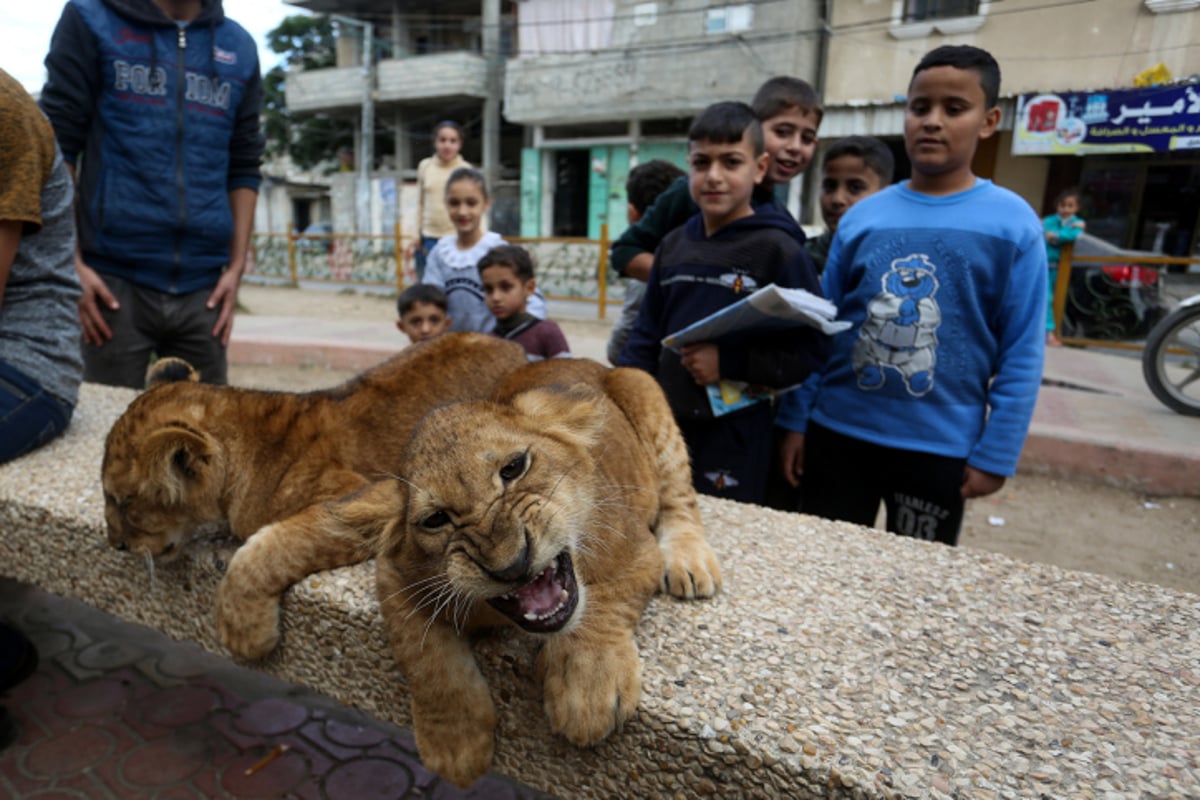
(770, 308)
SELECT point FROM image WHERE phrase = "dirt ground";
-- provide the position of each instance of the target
(1072, 524)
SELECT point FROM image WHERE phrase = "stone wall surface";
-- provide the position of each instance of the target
(838, 662)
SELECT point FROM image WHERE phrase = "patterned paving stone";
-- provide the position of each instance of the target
(362, 777)
(101, 697)
(270, 717)
(352, 735)
(166, 761)
(281, 775)
(71, 752)
(186, 705)
(109, 655)
(119, 712)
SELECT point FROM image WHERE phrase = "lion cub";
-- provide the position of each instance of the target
(188, 458)
(560, 507)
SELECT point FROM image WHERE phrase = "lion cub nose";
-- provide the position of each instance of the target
(515, 571)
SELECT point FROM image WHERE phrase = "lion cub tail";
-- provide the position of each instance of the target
(170, 370)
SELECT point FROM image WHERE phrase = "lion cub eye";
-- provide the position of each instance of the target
(515, 467)
(437, 519)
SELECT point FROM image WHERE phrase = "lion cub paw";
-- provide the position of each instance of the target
(691, 569)
(461, 753)
(590, 694)
(247, 620)
(248, 630)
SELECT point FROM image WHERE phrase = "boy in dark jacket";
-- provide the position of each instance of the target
(724, 253)
(790, 113)
(163, 107)
(506, 273)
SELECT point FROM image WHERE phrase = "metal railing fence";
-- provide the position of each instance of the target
(568, 268)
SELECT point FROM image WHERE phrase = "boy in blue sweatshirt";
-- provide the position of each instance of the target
(716, 258)
(926, 400)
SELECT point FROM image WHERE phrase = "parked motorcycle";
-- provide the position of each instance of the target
(1171, 358)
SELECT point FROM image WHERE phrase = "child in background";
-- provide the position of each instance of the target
(790, 113)
(724, 253)
(944, 269)
(508, 284)
(422, 310)
(452, 264)
(432, 173)
(854, 167)
(645, 183)
(1061, 227)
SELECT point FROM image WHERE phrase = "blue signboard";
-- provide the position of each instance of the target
(1158, 119)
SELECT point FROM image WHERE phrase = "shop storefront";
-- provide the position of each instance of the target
(1134, 154)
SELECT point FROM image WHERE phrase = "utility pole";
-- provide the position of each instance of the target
(366, 142)
(490, 13)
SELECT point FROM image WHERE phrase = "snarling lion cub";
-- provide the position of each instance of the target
(188, 458)
(560, 507)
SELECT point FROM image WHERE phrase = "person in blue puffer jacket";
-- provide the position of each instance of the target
(155, 105)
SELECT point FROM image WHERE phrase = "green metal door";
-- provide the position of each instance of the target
(675, 152)
(531, 192)
(606, 190)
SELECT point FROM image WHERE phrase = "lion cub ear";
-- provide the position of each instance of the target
(574, 414)
(171, 370)
(181, 455)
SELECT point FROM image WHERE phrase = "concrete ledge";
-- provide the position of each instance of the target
(839, 662)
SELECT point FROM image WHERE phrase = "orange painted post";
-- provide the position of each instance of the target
(291, 237)
(399, 258)
(602, 275)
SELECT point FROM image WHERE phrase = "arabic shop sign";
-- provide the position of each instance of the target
(1153, 120)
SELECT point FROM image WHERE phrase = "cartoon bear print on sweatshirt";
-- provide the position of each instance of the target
(900, 331)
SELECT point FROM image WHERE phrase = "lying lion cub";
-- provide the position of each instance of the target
(561, 507)
(188, 458)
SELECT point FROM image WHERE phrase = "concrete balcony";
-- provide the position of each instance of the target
(427, 77)
(324, 89)
(648, 83)
(411, 78)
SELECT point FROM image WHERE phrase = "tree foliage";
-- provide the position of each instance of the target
(305, 42)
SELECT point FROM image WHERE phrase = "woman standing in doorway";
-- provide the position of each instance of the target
(432, 174)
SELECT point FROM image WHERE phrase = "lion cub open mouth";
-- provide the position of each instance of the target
(546, 603)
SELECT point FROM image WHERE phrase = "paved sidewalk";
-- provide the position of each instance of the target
(120, 711)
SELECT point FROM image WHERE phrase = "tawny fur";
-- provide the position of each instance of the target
(187, 458)
(607, 480)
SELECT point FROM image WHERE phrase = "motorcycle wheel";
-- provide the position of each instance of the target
(1171, 360)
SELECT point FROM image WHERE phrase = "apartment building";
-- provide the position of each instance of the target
(561, 97)
(615, 82)
(589, 88)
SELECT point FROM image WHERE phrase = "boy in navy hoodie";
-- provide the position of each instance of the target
(724, 253)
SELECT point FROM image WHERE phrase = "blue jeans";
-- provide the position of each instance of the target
(422, 255)
(29, 415)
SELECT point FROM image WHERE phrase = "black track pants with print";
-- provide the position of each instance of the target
(845, 478)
